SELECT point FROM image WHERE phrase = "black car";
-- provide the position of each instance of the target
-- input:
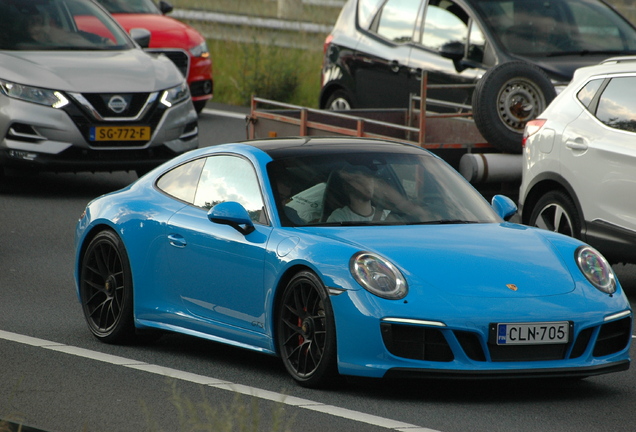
(517, 52)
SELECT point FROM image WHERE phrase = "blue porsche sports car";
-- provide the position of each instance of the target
(346, 256)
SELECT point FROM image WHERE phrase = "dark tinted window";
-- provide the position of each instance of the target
(58, 25)
(544, 27)
(400, 188)
(130, 6)
(448, 23)
(396, 20)
(182, 181)
(617, 105)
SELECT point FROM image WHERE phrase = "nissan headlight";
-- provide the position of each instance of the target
(596, 269)
(378, 276)
(41, 96)
(175, 95)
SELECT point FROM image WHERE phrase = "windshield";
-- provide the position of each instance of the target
(557, 27)
(373, 189)
(58, 25)
(130, 6)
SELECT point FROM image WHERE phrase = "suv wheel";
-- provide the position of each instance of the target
(505, 98)
(555, 211)
(338, 101)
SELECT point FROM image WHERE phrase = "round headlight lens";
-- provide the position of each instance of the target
(596, 269)
(378, 276)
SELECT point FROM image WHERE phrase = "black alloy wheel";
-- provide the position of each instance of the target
(306, 333)
(106, 289)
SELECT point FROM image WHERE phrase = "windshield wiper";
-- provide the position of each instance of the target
(443, 222)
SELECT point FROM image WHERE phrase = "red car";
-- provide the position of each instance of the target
(181, 43)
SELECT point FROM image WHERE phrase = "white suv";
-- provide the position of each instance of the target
(579, 164)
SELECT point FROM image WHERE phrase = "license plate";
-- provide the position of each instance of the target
(533, 333)
(120, 133)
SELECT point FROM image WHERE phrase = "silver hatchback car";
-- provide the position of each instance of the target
(77, 93)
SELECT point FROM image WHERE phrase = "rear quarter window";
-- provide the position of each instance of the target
(617, 105)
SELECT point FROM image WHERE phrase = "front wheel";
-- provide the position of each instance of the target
(106, 290)
(306, 333)
(555, 211)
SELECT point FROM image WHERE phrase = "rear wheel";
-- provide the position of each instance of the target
(555, 211)
(106, 290)
(338, 101)
(306, 333)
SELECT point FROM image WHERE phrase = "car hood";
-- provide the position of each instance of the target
(90, 71)
(475, 260)
(165, 32)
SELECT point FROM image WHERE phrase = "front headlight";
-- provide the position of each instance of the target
(175, 95)
(596, 269)
(200, 50)
(378, 276)
(52, 98)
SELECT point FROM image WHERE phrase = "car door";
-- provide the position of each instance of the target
(380, 67)
(217, 270)
(598, 153)
(451, 50)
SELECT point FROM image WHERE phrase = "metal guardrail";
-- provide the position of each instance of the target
(245, 20)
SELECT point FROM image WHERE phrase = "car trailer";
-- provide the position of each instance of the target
(454, 136)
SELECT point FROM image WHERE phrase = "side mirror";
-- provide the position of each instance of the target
(504, 206)
(165, 7)
(453, 50)
(233, 214)
(141, 36)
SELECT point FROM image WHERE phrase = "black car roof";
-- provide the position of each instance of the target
(278, 148)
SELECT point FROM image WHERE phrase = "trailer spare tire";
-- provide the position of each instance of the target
(505, 98)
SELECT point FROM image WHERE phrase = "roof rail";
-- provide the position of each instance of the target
(620, 59)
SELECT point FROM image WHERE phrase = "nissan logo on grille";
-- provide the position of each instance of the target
(117, 104)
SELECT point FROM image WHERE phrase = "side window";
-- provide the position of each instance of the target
(446, 23)
(617, 105)
(230, 178)
(181, 182)
(476, 44)
(587, 93)
(396, 20)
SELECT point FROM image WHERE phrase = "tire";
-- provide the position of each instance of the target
(506, 98)
(306, 332)
(555, 211)
(106, 289)
(339, 101)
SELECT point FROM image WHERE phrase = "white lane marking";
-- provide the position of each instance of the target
(224, 113)
(216, 383)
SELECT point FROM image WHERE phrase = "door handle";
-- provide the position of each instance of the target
(578, 144)
(417, 72)
(177, 241)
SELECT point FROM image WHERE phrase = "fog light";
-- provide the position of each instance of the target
(19, 154)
